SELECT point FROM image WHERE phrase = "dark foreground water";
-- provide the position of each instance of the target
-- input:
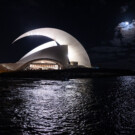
(99, 106)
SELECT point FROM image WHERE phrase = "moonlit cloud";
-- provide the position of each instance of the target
(124, 8)
(124, 33)
(118, 51)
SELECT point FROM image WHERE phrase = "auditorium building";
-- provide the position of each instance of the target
(64, 51)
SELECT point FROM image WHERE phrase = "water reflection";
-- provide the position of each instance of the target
(46, 107)
(81, 106)
(124, 106)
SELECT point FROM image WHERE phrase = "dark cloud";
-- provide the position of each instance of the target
(124, 34)
(124, 8)
(103, 2)
(113, 56)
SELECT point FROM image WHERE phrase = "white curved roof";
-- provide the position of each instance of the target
(39, 48)
(76, 52)
(54, 53)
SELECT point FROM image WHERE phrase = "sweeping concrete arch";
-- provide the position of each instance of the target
(76, 51)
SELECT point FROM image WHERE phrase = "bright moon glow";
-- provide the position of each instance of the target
(126, 23)
(41, 47)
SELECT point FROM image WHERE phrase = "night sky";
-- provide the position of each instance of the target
(105, 28)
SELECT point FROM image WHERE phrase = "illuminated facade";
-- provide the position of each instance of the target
(43, 65)
(69, 53)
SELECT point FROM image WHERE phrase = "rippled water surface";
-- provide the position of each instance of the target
(99, 106)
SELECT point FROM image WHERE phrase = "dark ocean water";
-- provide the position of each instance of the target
(97, 106)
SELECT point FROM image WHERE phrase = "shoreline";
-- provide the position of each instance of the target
(68, 73)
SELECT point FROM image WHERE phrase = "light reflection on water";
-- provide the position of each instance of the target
(78, 106)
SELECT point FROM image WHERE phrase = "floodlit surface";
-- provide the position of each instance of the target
(56, 53)
(43, 61)
(75, 49)
(41, 47)
(43, 65)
